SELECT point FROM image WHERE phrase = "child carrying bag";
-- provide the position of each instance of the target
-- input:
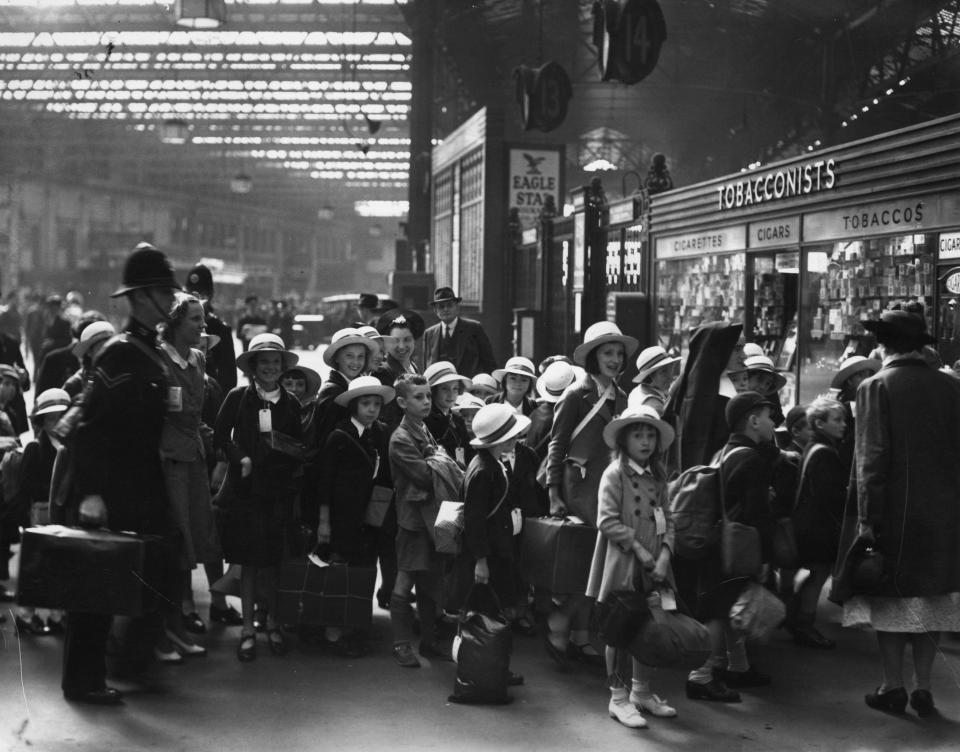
(482, 650)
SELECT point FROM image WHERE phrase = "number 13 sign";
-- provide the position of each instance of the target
(628, 35)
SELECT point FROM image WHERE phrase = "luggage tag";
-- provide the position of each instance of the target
(573, 519)
(462, 459)
(516, 516)
(668, 601)
(174, 399)
(266, 420)
(317, 561)
(661, 520)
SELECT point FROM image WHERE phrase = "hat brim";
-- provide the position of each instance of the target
(163, 285)
(664, 429)
(358, 339)
(485, 388)
(870, 364)
(499, 373)
(82, 348)
(314, 380)
(886, 330)
(447, 378)
(386, 392)
(287, 359)
(445, 300)
(50, 409)
(630, 345)
(779, 380)
(668, 361)
(545, 395)
(522, 424)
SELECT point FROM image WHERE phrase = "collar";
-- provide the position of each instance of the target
(451, 327)
(271, 397)
(141, 331)
(635, 467)
(893, 357)
(358, 425)
(170, 350)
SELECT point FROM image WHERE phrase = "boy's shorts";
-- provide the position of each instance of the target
(415, 551)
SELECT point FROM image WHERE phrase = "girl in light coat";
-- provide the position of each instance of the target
(634, 544)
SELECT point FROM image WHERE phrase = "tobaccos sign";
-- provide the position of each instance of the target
(787, 182)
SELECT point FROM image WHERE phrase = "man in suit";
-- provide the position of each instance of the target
(458, 340)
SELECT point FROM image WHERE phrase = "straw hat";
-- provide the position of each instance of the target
(763, 364)
(486, 382)
(309, 375)
(51, 401)
(495, 423)
(519, 366)
(443, 372)
(639, 414)
(98, 331)
(600, 334)
(466, 402)
(752, 348)
(854, 364)
(344, 338)
(371, 332)
(650, 360)
(266, 342)
(555, 380)
(363, 386)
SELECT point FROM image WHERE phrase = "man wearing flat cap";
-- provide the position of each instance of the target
(460, 341)
(118, 478)
(221, 358)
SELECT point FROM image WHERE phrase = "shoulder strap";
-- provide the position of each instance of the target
(803, 472)
(359, 446)
(506, 491)
(724, 456)
(151, 353)
(597, 407)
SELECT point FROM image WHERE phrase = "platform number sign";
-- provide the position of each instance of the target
(628, 35)
(543, 94)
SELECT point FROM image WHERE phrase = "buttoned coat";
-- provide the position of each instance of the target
(576, 468)
(410, 445)
(470, 349)
(627, 501)
(908, 474)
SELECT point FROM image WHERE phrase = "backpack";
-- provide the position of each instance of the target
(694, 507)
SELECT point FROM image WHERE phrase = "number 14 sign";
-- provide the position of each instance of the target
(628, 35)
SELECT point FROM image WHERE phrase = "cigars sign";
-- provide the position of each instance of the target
(787, 182)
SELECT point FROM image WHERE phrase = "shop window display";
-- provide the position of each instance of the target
(853, 280)
(694, 291)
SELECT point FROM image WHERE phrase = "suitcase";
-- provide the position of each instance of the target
(338, 595)
(78, 569)
(556, 554)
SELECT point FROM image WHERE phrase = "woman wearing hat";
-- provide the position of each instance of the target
(447, 427)
(92, 339)
(257, 495)
(185, 470)
(577, 458)
(656, 371)
(403, 330)
(517, 379)
(634, 544)
(36, 469)
(853, 372)
(353, 461)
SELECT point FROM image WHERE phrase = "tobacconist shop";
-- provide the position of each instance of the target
(801, 251)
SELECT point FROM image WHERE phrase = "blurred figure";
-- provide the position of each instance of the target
(221, 358)
(251, 323)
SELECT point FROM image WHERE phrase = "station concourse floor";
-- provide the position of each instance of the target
(310, 700)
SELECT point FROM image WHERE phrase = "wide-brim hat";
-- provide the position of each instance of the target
(486, 382)
(146, 267)
(371, 333)
(401, 318)
(444, 295)
(344, 338)
(312, 378)
(466, 402)
(364, 386)
(555, 380)
(899, 325)
(519, 366)
(763, 364)
(652, 359)
(639, 414)
(98, 331)
(51, 401)
(495, 423)
(601, 333)
(443, 372)
(267, 342)
(854, 364)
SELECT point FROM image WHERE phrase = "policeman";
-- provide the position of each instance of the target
(118, 478)
(221, 358)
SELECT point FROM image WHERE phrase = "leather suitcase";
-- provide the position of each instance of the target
(338, 595)
(556, 554)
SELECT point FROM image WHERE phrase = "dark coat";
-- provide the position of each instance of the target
(818, 516)
(470, 350)
(327, 413)
(908, 474)
(450, 432)
(346, 480)
(747, 477)
(388, 373)
(487, 529)
(525, 493)
(56, 368)
(117, 449)
(221, 359)
(538, 435)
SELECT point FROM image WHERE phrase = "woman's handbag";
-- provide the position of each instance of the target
(622, 615)
(785, 552)
(669, 638)
(739, 544)
(482, 650)
(757, 612)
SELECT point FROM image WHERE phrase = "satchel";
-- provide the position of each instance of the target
(757, 612)
(482, 650)
(740, 550)
(785, 552)
(623, 613)
(377, 507)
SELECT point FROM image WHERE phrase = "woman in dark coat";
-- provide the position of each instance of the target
(908, 483)
(818, 516)
(258, 430)
(354, 461)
